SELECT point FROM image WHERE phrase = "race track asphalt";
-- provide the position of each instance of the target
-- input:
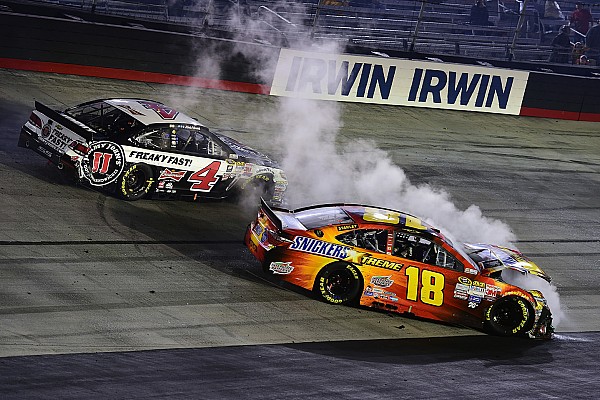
(101, 298)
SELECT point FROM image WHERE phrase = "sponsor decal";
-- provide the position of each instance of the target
(346, 227)
(318, 247)
(471, 271)
(378, 262)
(467, 289)
(172, 175)
(261, 233)
(281, 268)
(382, 281)
(141, 155)
(464, 280)
(474, 301)
(461, 291)
(47, 128)
(380, 294)
(54, 136)
(45, 151)
(492, 291)
(103, 163)
(391, 81)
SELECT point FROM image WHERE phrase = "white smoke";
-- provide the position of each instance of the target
(321, 168)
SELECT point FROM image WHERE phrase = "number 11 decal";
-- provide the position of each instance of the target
(432, 286)
(204, 180)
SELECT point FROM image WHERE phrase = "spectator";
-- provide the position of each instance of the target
(592, 42)
(479, 14)
(561, 46)
(578, 50)
(581, 18)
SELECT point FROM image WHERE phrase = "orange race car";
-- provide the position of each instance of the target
(385, 259)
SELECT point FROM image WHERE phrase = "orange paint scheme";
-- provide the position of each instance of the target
(373, 257)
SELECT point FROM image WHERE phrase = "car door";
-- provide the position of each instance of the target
(428, 282)
(186, 159)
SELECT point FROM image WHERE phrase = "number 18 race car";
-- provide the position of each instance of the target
(140, 148)
(385, 259)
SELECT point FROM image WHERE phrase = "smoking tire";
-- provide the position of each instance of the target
(260, 185)
(136, 182)
(509, 316)
(339, 283)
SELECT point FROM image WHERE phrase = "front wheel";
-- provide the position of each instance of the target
(509, 316)
(339, 283)
(136, 182)
(260, 185)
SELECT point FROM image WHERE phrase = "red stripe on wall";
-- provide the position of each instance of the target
(557, 114)
(130, 75)
(589, 117)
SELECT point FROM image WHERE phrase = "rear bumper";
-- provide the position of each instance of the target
(29, 140)
(253, 243)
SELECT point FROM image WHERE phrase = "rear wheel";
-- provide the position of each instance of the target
(339, 283)
(509, 316)
(136, 182)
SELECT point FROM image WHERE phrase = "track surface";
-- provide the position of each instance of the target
(104, 298)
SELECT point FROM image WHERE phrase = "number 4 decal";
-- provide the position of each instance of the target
(205, 179)
(432, 286)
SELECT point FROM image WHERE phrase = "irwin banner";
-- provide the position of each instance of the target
(379, 80)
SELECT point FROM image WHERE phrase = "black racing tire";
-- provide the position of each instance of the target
(509, 316)
(260, 185)
(339, 283)
(135, 182)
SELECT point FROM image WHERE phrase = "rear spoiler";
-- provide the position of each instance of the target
(70, 123)
(270, 211)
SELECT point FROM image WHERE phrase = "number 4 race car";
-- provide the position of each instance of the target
(385, 259)
(140, 148)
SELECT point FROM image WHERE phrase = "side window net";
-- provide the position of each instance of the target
(417, 248)
(368, 239)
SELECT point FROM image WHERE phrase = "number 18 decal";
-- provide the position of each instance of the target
(432, 286)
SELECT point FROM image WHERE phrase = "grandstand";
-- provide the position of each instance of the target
(518, 30)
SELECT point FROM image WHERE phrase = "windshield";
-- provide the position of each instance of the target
(483, 256)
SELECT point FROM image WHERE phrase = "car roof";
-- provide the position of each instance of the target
(320, 216)
(150, 112)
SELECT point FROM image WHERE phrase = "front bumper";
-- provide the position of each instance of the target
(542, 329)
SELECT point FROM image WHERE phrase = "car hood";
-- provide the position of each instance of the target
(247, 152)
(491, 258)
